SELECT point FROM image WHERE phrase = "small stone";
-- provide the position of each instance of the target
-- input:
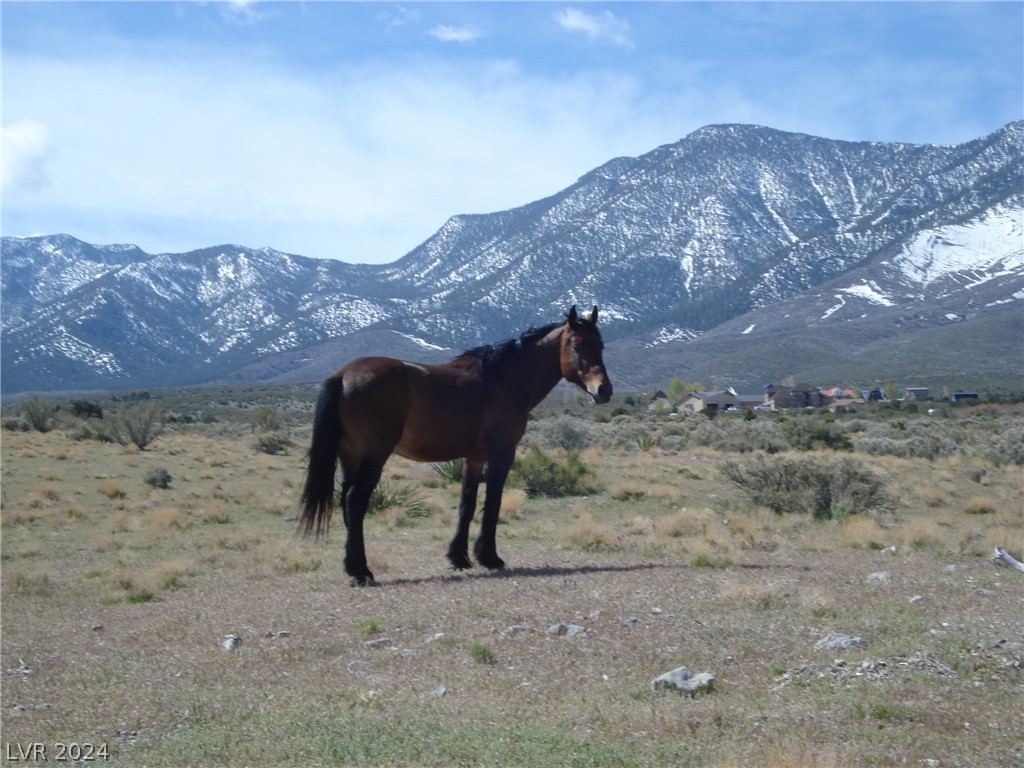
(377, 643)
(684, 681)
(438, 692)
(879, 577)
(836, 642)
(566, 630)
(231, 642)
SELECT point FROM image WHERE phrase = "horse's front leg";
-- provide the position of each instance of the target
(458, 550)
(485, 549)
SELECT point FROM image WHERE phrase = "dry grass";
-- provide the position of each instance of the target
(121, 594)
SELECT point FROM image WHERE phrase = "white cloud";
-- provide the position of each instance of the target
(26, 151)
(597, 26)
(361, 164)
(449, 34)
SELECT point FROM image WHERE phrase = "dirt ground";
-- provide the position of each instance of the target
(118, 598)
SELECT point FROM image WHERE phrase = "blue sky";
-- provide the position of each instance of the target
(354, 130)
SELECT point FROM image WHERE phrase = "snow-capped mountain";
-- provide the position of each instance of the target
(735, 232)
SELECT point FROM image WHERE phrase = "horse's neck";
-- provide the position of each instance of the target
(541, 368)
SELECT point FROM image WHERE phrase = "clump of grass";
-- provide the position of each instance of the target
(402, 495)
(513, 504)
(164, 518)
(290, 558)
(368, 627)
(704, 560)
(482, 654)
(590, 536)
(168, 575)
(28, 582)
(626, 491)
(979, 505)
(112, 489)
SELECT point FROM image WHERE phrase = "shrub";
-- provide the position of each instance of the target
(39, 413)
(387, 495)
(273, 444)
(86, 409)
(815, 434)
(541, 475)
(825, 489)
(158, 478)
(563, 432)
(139, 424)
(1008, 448)
(267, 419)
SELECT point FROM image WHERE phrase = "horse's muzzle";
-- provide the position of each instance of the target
(602, 392)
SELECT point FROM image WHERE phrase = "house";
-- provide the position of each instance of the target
(701, 402)
(961, 396)
(837, 393)
(798, 396)
(917, 393)
(724, 400)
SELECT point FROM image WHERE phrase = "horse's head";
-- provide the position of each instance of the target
(581, 356)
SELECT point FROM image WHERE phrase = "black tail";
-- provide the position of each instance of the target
(318, 493)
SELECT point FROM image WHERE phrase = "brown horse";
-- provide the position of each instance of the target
(473, 407)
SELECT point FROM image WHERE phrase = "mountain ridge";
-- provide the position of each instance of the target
(729, 221)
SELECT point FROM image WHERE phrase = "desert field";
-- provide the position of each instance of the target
(834, 574)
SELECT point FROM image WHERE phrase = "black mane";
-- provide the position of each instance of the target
(491, 355)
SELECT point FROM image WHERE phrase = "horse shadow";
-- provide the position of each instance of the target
(528, 572)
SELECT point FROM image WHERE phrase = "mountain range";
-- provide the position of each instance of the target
(738, 255)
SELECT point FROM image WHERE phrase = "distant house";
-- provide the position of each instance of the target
(961, 396)
(917, 393)
(723, 400)
(798, 396)
(701, 402)
(837, 393)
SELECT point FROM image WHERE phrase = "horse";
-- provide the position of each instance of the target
(473, 407)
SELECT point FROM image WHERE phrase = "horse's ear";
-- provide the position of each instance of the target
(573, 319)
(593, 315)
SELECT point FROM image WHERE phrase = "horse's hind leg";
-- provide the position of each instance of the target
(458, 550)
(356, 502)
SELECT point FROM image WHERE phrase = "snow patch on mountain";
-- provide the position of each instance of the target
(989, 247)
(669, 334)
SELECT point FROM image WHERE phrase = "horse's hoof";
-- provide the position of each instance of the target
(364, 581)
(460, 562)
(493, 562)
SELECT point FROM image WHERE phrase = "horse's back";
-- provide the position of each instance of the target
(424, 412)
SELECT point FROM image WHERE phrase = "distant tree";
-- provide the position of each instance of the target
(677, 388)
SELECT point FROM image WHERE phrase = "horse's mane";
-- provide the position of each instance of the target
(489, 356)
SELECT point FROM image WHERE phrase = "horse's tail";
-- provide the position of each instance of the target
(318, 493)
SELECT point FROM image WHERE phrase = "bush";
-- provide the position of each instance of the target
(86, 409)
(815, 434)
(39, 413)
(139, 424)
(1007, 448)
(825, 489)
(158, 478)
(273, 444)
(562, 432)
(542, 475)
